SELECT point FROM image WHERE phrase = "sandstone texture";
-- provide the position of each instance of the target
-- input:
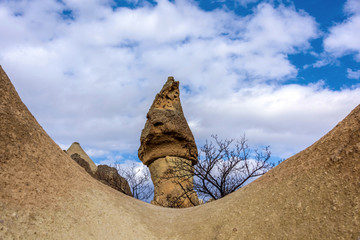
(76, 148)
(166, 132)
(165, 138)
(169, 192)
(110, 176)
(44, 194)
(84, 164)
(105, 174)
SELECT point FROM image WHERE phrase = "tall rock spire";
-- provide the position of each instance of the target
(166, 139)
(166, 132)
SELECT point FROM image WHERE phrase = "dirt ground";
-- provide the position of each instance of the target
(46, 195)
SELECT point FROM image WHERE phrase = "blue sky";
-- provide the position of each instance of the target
(282, 72)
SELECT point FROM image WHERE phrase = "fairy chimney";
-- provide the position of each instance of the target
(166, 141)
(75, 148)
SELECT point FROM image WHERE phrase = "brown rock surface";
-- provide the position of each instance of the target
(84, 164)
(110, 176)
(166, 132)
(168, 193)
(46, 195)
(105, 174)
(76, 148)
(166, 136)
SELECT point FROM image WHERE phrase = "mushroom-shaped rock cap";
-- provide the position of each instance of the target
(166, 132)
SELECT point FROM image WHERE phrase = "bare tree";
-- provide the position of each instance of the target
(224, 166)
(139, 181)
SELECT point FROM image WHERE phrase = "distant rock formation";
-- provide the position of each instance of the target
(76, 148)
(110, 176)
(84, 164)
(165, 139)
(103, 173)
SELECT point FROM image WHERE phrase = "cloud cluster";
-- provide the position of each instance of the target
(288, 118)
(353, 74)
(343, 37)
(89, 70)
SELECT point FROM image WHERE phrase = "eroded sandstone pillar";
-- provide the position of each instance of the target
(166, 142)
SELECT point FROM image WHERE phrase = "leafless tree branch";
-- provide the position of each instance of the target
(139, 181)
(224, 166)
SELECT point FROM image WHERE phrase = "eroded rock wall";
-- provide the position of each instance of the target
(111, 177)
(105, 174)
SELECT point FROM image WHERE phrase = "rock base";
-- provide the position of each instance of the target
(173, 182)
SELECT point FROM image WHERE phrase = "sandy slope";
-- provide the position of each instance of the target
(45, 195)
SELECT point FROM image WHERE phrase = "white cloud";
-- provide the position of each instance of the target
(353, 74)
(323, 60)
(92, 78)
(352, 6)
(96, 152)
(246, 2)
(288, 118)
(129, 164)
(344, 37)
(111, 160)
